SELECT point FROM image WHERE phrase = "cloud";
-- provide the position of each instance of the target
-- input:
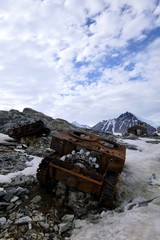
(80, 60)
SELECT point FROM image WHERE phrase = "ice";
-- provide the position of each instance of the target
(138, 215)
(138, 223)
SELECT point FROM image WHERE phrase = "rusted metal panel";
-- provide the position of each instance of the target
(36, 128)
(76, 180)
(66, 141)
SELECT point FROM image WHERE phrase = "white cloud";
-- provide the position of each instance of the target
(42, 41)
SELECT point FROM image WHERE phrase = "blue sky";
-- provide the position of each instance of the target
(82, 61)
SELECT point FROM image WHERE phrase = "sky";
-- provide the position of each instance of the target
(83, 61)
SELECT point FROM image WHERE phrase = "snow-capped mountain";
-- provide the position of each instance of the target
(80, 125)
(120, 124)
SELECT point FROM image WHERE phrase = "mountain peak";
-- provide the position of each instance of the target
(127, 114)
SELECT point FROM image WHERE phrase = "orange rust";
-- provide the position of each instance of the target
(75, 174)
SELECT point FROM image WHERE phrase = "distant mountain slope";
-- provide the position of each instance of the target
(120, 124)
(152, 123)
(80, 125)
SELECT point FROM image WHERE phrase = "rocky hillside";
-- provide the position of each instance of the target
(120, 124)
(14, 118)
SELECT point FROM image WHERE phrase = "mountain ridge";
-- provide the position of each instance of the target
(121, 124)
(9, 119)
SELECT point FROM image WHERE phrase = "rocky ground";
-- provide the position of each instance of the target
(30, 211)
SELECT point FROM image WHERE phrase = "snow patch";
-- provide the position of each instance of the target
(30, 170)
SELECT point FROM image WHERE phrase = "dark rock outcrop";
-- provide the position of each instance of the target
(14, 118)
